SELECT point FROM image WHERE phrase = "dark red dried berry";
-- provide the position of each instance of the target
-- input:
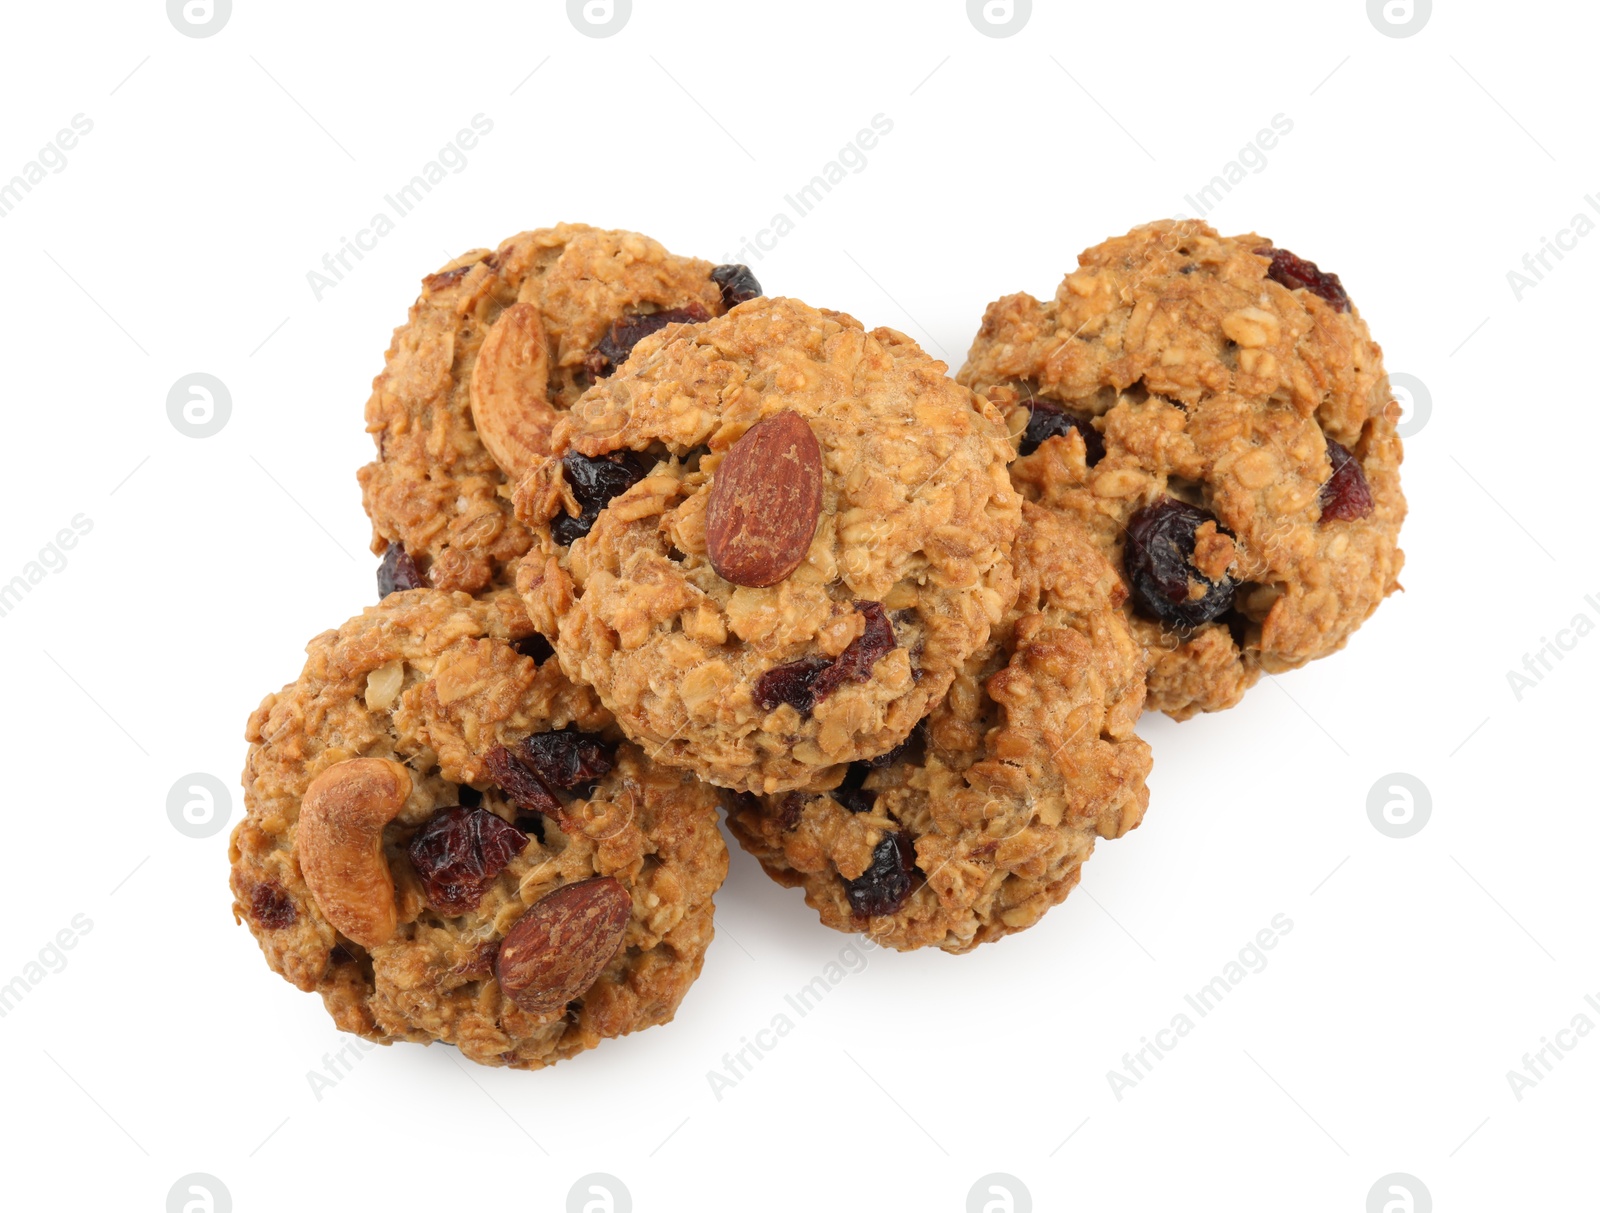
(271, 907)
(614, 348)
(737, 282)
(535, 646)
(851, 794)
(522, 787)
(791, 683)
(1295, 272)
(807, 682)
(1047, 419)
(1345, 494)
(397, 571)
(1159, 542)
(856, 662)
(458, 852)
(909, 749)
(568, 759)
(886, 884)
(789, 810)
(594, 482)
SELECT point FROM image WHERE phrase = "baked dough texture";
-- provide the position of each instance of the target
(1212, 377)
(432, 681)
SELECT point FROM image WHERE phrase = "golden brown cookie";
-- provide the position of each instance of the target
(1215, 412)
(448, 840)
(979, 824)
(770, 542)
(496, 347)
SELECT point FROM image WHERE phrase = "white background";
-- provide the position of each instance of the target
(1418, 971)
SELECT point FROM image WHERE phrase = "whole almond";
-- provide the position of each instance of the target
(510, 410)
(765, 502)
(555, 951)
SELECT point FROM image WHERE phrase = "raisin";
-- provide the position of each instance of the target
(1048, 419)
(789, 810)
(807, 682)
(271, 907)
(886, 884)
(535, 646)
(614, 348)
(1345, 495)
(856, 662)
(1159, 542)
(851, 794)
(594, 482)
(738, 284)
(791, 683)
(458, 852)
(911, 748)
(397, 571)
(1295, 272)
(568, 759)
(522, 787)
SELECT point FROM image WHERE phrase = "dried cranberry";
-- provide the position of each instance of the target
(886, 884)
(737, 282)
(1048, 419)
(522, 787)
(856, 662)
(397, 571)
(458, 852)
(911, 747)
(1296, 272)
(614, 348)
(535, 646)
(791, 683)
(568, 759)
(807, 682)
(271, 907)
(1345, 495)
(851, 794)
(1159, 542)
(594, 482)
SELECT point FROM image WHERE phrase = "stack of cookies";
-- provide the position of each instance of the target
(653, 544)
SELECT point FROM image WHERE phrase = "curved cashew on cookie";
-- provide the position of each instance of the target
(509, 406)
(340, 845)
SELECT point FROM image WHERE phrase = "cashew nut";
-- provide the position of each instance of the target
(340, 845)
(509, 406)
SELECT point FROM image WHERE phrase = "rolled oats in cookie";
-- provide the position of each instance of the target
(449, 841)
(1215, 411)
(980, 823)
(496, 347)
(771, 541)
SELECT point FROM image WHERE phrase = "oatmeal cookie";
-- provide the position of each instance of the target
(980, 823)
(448, 840)
(1215, 411)
(771, 541)
(496, 346)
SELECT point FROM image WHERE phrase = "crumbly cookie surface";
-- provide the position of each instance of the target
(765, 688)
(432, 681)
(983, 821)
(435, 487)
(1176, 368)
